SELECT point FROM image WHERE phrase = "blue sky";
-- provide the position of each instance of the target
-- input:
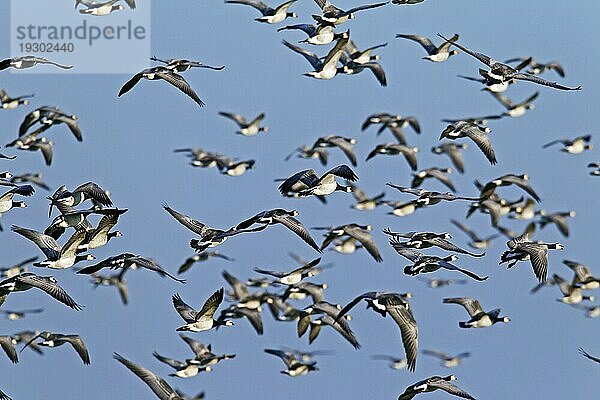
(128, 149)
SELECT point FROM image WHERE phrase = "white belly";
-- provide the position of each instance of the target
(517, 112)
(347, 247)
(439, 57)
(482, 323)
(327, 73)
(188, 372)
(367, 205)
(320, 39)
(576, 147)
(291, 279)
(451, 363)
(237, 171)
(404, 210)
(5, 206)
(325, 188)
(249, 131)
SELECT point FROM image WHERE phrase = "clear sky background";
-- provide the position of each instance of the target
(128, 149)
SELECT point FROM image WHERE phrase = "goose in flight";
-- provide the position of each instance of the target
(393, 362)
(100, 9)
(40, 114)
(273, 217)
(320, 34)
(126, 261)
(182, 65)
(434, 383)
(269, 15)
(452, 150)
(424, 240)
(429, 198)
(200, 257)
(184, 369)
(297, 275)
(424, 264)
(479, 317)
(63, 198)
(20, 314)
(434, 53)
(337, 16)
(247, 128)
(393, 149)
(307, 152)
(573, 146)
(363, 201)
(478, 134)
(504, 72)
(28, 177)
(28, 62)
(394, 122)
(397, 307)
(536, 68)
(435, 283)
(476, 242)
(198, 321)
(445, 359)
(166, 74)
(209, 237)
(513, 109)
(58, 339)
(10, 103)
(308, 183)
(583, 276)
(327, 68)
(102, 234)
(572, 294)
(560, 219)
(57, 257)
(439, 174)
(357, 232)
(343, 143)
(130, 3)
(294, 366)
(7, 201)
(350, 68)
(521, 181)
(116, 280)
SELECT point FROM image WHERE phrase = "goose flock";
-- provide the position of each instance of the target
(301, 235)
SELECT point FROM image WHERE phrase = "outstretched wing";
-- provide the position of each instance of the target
(296, 226)
(471, 305)
(422, 40)
(399, 310)
(450, 388)
(49, 286)
(535, 79)
(311, 57)
(481, 57)
(158, 385)
(187, 313)
(193, 225)
(210, 306)
(180, 83)
(131, 83)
